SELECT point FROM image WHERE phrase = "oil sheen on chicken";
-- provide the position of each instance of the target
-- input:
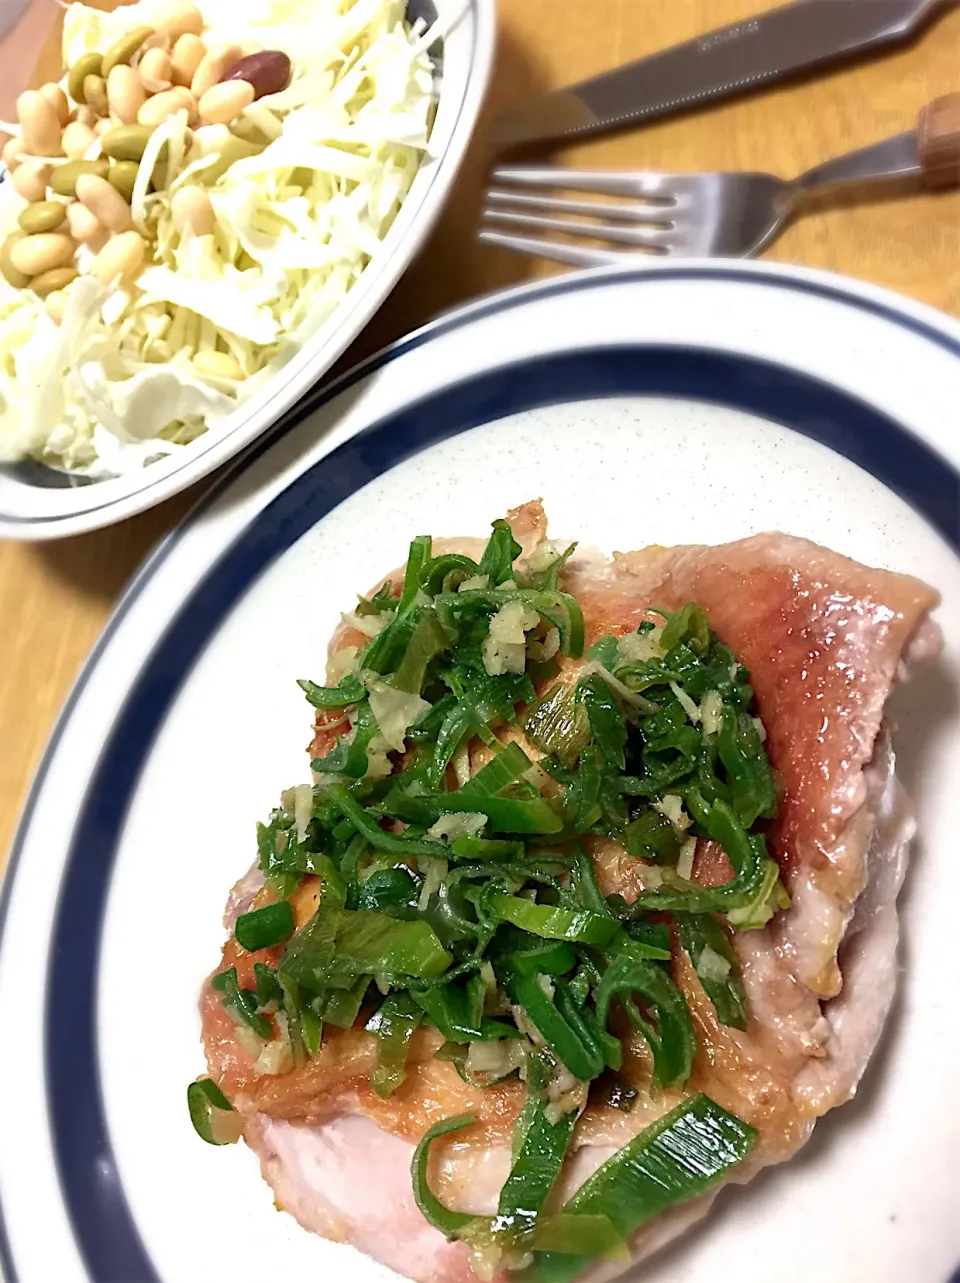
(824, 640)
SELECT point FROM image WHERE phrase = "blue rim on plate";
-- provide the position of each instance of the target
(103, 1225)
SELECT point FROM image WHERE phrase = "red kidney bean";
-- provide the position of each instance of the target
(268, 71)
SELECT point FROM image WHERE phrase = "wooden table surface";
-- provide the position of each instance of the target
(55, 597)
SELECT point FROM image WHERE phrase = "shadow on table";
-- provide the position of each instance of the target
(452, 268)
(855, 197)
(101, 563)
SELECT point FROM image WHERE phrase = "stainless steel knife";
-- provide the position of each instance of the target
(731, 60)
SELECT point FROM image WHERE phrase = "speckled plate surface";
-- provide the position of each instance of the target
(688, 403)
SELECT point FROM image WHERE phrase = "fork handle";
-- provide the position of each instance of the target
(930, 154)
(938, 141)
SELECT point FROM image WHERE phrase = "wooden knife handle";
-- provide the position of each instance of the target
(938, 138)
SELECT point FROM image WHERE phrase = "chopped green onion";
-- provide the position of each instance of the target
(262, 928)
(558, 724)
(242, 1004)
(442, 1218)
(689, 625)
(283, 857)
(503, 814)
(350, 691)
(336, 948)
(393, 1026)
(209, 1112)
(392, 891)
(583, 1235)
(716, 966)
(771, 896)
(428, 641)
(383, 599)
(740, 749)
(672, 1161)
(745, 852)
(311, 1029)
(651, 836)
(562, 610)
(343, 1005)
(606, 651)
(674, 1045)
(446, 572)
(457, 1011)
(500, 553)
(268, 986)
(468, 847)
(500, 772)
(417, 559)
(553, 923)
(392, 843)
(572, 1044)
(553, 959)
(549, 576)
(536, 1168)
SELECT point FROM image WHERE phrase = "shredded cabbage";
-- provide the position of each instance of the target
(303, 188)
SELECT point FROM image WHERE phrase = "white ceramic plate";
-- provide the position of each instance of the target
(31, 507)
(700, 402)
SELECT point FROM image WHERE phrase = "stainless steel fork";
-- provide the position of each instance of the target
(714, 214)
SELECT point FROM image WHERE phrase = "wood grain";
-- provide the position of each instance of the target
(55, 598)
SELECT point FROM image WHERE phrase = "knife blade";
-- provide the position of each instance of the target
(731, 60)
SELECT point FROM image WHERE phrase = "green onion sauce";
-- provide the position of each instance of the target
(465, 900)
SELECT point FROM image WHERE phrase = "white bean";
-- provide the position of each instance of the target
(76, 139)
(40, 253)
(40, 124)
(122, 256)
(57, 100)
(188, 53)
(178, 18)
(156, 70)
(213, 67)
(225, 102)
(84, 225)
(156, 110)
(126, 93)
(12, 152)
(191, 208)
(30, 179)
(103, 199)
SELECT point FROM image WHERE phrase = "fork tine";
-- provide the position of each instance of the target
(645, 237)
(587, 180)
(538, 247)
(596, 209)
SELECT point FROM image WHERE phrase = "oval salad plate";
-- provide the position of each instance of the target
(669, 404)
(41, 502)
